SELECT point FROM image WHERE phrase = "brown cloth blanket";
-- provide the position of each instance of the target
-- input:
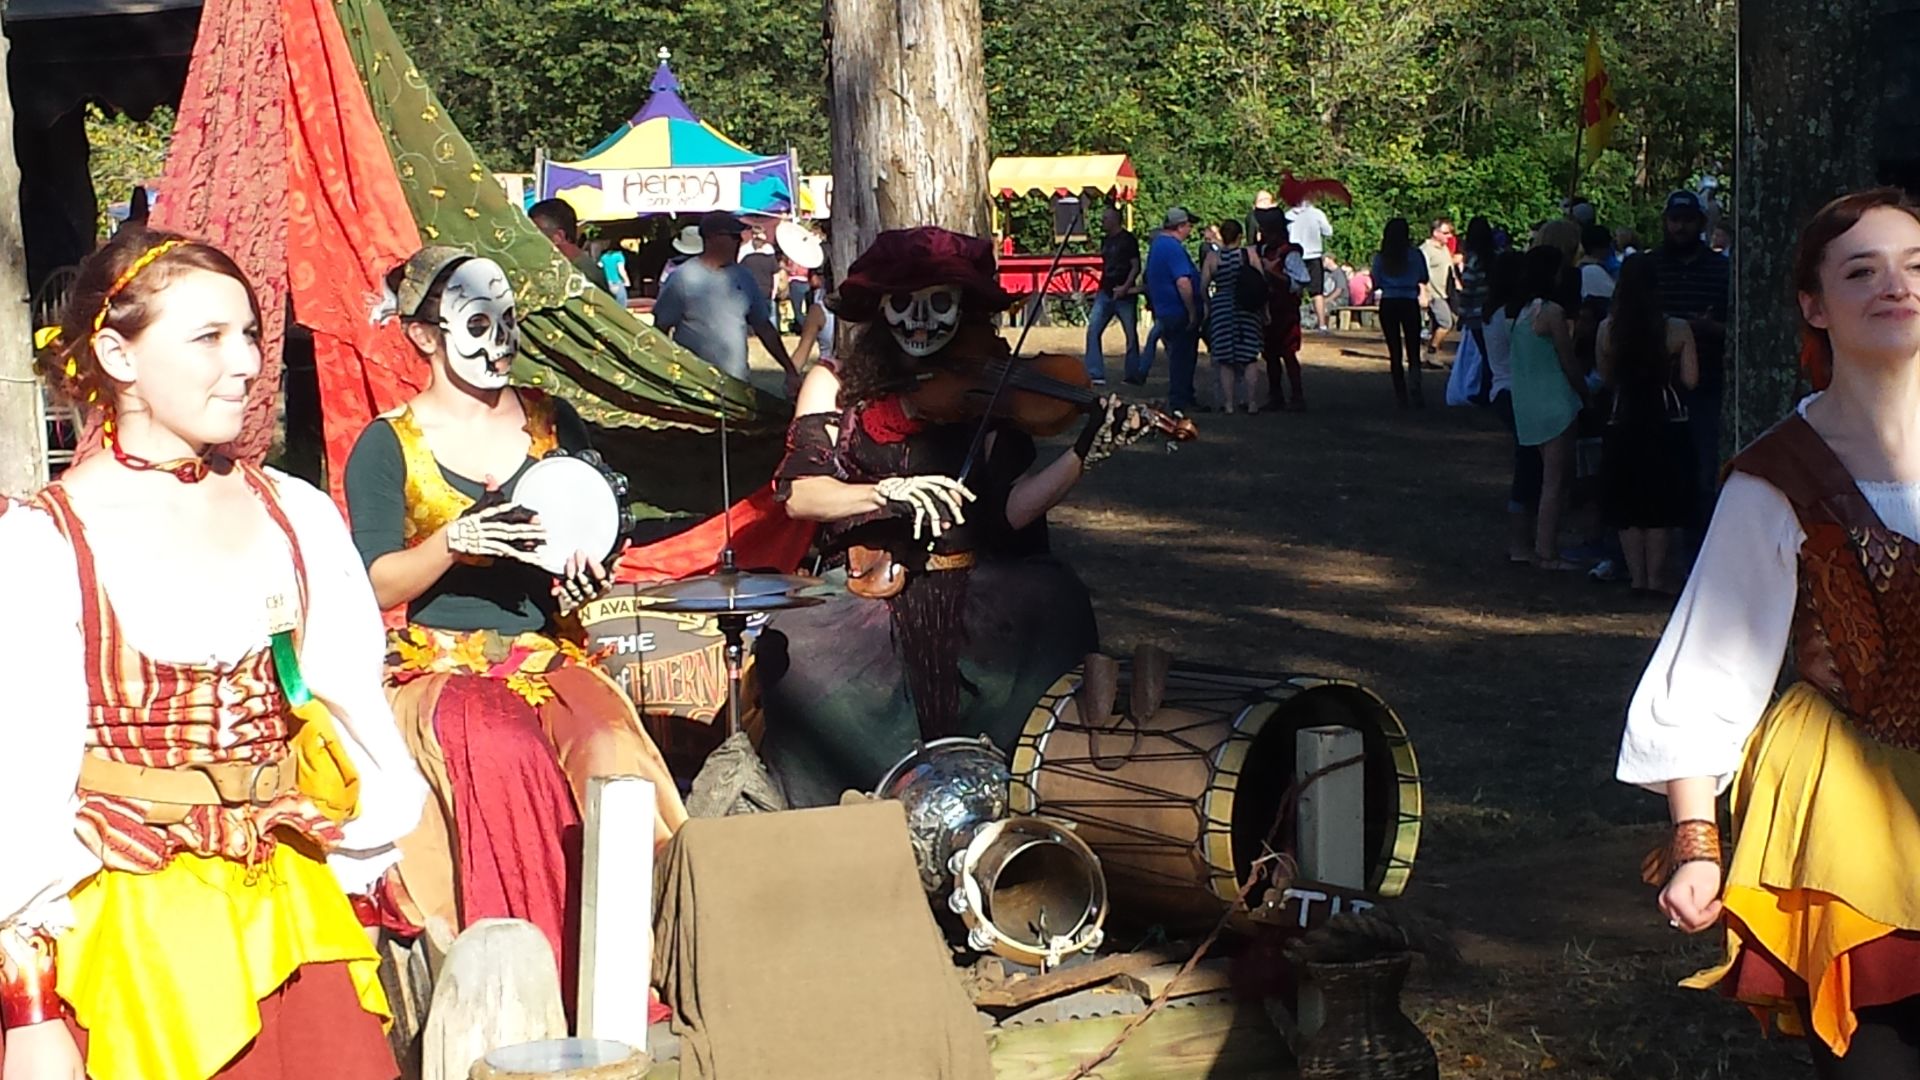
(799, 944)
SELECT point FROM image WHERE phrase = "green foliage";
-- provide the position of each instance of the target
(1461, 108)
(562, 74)
(125, 153)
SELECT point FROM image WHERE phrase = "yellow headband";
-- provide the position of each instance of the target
(126, 277)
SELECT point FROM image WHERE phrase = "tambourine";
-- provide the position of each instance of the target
(581, 503)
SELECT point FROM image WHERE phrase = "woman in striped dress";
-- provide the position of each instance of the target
(198, 761)
(1234, 333)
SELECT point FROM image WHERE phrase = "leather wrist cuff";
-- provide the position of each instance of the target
(27, 982)
(1694, 840)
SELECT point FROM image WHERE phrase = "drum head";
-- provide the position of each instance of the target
(577, 507)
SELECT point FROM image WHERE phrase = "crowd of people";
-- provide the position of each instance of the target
(1605, 362)
(1245, 297)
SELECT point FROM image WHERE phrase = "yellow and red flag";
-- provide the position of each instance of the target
(1598, 112)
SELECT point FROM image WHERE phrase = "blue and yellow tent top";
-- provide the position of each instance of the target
(667, 160)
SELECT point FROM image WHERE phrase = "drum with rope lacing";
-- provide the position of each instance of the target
(1177, 787)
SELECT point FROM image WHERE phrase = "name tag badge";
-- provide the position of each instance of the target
(280, 615)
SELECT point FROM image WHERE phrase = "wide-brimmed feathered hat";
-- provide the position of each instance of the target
(906, 260)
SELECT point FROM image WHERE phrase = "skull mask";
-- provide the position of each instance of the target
(924, 321)
(477, 318)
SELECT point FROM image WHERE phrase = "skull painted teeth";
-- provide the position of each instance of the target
(478, 320)
(924, 321)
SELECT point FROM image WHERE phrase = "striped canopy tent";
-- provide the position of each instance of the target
(1104, 174)
(665, 160)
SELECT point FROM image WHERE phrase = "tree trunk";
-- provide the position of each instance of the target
(908, 97)
(23, 428)
(1809, 91)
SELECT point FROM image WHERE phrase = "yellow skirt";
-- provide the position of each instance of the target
(1824, 818)
(166, 970)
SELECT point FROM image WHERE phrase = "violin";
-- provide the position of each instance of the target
(1042, 395)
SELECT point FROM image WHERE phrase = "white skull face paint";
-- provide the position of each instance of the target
(924, 321)
(478, 321)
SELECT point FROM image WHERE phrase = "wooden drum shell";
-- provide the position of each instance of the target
(1177, 806)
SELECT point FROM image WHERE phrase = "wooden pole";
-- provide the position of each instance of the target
(908, 99)
(23, 426)
(1333, 806)
(616, 902)
(1579, 132)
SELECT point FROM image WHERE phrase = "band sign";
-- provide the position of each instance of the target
(1309, 905)
(670, 664)
(682, 191)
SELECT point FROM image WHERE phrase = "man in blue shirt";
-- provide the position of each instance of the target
(712, 302)
(1173, 292)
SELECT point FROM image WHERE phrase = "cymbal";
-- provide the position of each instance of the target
(740, 604)
(726, 586)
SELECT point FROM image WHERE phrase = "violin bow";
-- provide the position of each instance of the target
(1040, 297)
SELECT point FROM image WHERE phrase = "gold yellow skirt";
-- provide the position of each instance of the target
(1824, 817)
(166, 970)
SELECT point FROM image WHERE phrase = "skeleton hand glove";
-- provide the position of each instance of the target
(1113, 425)
(936, 502)
(585, 580)
(502, 530)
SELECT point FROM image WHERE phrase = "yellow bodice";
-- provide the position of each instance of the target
(432, 500)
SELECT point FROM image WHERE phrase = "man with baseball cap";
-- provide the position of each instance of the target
(711, 302)
(1173, 292)
(1694, 282)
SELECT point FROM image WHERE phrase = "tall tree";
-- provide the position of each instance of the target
(23, 435)
(1810, 89)
(908, 99)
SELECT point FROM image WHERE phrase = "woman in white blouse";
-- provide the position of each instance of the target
(197, 761)
(1815, 543)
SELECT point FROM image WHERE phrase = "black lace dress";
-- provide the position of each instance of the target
(850, 685)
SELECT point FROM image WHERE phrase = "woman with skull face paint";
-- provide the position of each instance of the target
(196, 759)
(985, 620)
(502, 709)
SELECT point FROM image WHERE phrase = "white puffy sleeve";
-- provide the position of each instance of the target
(1716, 667)
(43, 723)
(342, 655)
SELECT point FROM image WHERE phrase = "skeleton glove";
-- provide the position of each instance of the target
(585, 581)
(502, 530)
(935, 502)
(1113, 425)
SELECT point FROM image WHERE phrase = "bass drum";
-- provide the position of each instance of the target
(1178, 803)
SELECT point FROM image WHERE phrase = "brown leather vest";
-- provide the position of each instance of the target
(1856, 625)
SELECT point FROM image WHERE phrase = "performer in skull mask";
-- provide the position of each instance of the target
(986, 620)
(502, 709)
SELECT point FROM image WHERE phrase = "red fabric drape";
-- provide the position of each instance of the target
(226, 178)
(347, 225)
(763, 537)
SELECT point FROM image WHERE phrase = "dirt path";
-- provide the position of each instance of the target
(1360, 541)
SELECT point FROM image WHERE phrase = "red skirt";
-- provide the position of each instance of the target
(311, 1028)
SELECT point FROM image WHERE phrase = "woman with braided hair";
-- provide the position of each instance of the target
(197, 763)
(984, 620)
(1815, 544)
(503, 709)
